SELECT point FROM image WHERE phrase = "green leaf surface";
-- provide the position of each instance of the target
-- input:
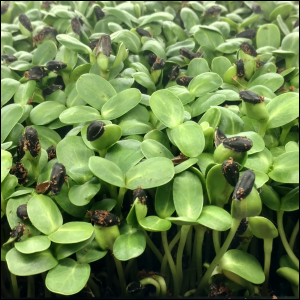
(263, 228)
(193, 142)
(6, 163)
(44, 53)
(94, 90)
(29, 264)
(273, 81)
(220, 65)
(151, 173)
(204, 102)
(188, 195)
(286, 168)
(260, 161)
(151, 148)
(283, 109)
(215, 217)
(46, 112)
(130, 127)
(213, 117)
(157, 16)
(44, 214)
(230, 122)
(205, 83)
(80, 112)
(73, 44)
(72, 152)
(268, 35)
(164, 205)
(90, 253)
(107, 171)
(258, 142)
(155, 224)
(72, 232)
(33, 244)
(61, 251)
(81, 195)
(218, 189)
(120, 104)
(8, 88)
(10, 115)
(242, 264)
(209, 38)
(68, 277)
(129, 245)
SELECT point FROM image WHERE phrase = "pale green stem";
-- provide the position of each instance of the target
(207, 275)
(216, 240)
(200, 232)
(284, 241)
(294, 235)
(94, 287)
(129, 267)
(295, 290)
(66, 78)
(14, 284)
(283, 135)
(170, 261)
(102, 152)
(183, 236)
(164, 263)
(194, 264)
(30, 287)
(3, 204)
(268, 246)
(162, 283)
(262, 128)
(152, 281)
(112, 191)
(119, 204)
(190, 293)
(153, 248)
(120, 275)
(47, 292)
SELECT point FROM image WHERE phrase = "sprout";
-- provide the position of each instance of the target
(174, 72)
(20, 147)
(8, 58)
(248, 49)
(20, 172)
(18, 232)
(99, 13)
(55, 66)
(51, 151)
(76, 25)
(47, 33)
(143, 32)
(22, 212)
(238, 143)
(248, 34)
(25, 22)
(251, 97)
(58, 177)
(213, 11)
(184, 80)
(159, 64)
(244, 186)
(48, 91)
(95, 130)
(36, 73)
(32, 141)
(141, 194)
(104, 218)
(230, 170)
(240, 69)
